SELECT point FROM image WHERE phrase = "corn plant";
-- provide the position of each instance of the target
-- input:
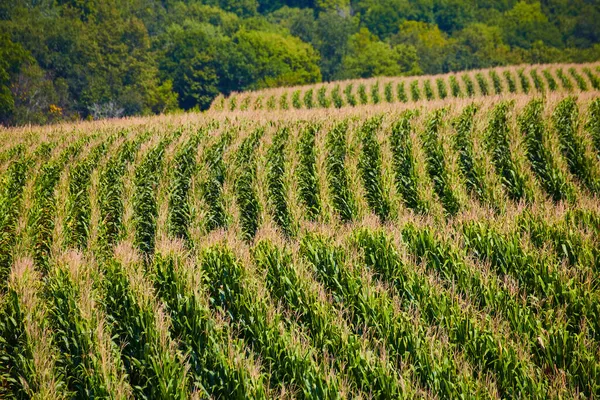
(182, 169)
(336, 97)
(43, 209)
(362, 94)
(258, 103)
(11, 194)
(564, 80)
(375, 95)
(441, 88)
(401, 91)
(232, 103)
(472, 170)
(415, 93)
(483, 84)
(566, 123)
(350, 98)
(428, 89)
(594, 80)
(581, 83)
(88, 373)
(497, 142)
(593, 123)
(309, 99)
(212, 187)
(454, 87)
(225, 280)
(388, 92)
(339, 185)
(552, 85)
(296, 101)
(496, 82)
(245, 103)
(322, 322)
(153, 370)
(469, 86)
(436, 163)
(322, 98)
(525, 84)
(533, 128)
(245, 190)
(537, 81)
(110, 194)
(271, 103)
(276, 185)
(145, 207)
(485, 348)
(510, 81)
(405, 174)
(23, 327)
(216, 373)
(78, 200)
(374, 310)
(306, 173)
(283, 101)
(369, 164)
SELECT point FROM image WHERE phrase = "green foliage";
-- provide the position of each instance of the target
(283, 101)
(322, 98)
(350, 97)
(212, 187)
(276, 185)
(401, 89)
(566, 123)
(362, 94)
(594, 80)
(182, 169)
(405, 174)
(336, 96)
(369, 164)
(552, 85)
(455, 87)
(525, 85)
(375, 95)
(337, 177)
(415, 93)
(581, 83)
(496, 82)
(472, 169)
(308, 180)
(564, 80)
(309, 99)
(543, 165)
(593, 123)
(296, 102)
(497, 142)
(510, 81)
(537, 81)
(483, 84)
(469, 86)
(428, 89)
(245, 184)
(436, 163)
(441, 88)
(388, 92)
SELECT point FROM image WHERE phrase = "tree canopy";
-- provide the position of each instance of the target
(72, 59)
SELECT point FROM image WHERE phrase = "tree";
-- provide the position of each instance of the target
(525, 24)
(277, 60)
(368, 56)
(432, 45)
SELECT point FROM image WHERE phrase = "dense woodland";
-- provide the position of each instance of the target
(73, 59)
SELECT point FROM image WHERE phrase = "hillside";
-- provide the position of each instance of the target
(438, 249)
(539, 79)
(72, 60)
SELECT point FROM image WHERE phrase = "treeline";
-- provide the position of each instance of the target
(72, 59)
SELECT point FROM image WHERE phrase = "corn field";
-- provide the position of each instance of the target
(501, 81)
(404, 250)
